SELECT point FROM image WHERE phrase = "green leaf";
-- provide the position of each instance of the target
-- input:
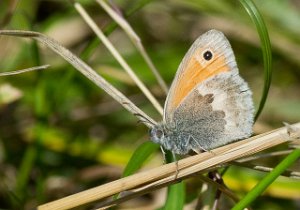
(266, 49)
(267, 180)
(139, 156)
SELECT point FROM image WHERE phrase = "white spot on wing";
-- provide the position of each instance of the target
(238, 107)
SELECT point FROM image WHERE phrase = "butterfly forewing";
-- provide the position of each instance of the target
(194, 69)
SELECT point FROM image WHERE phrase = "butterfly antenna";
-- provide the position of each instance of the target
(143, 119)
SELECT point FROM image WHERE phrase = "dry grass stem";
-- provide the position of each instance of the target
(287, 173)
(149, 188)
(135, 40)
(85, 69)
(266, 155)
(35, 68)
(165, 174)
(117, 56)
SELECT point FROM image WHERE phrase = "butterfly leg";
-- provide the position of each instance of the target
(197, 150)
(164, 154)
(197, 143)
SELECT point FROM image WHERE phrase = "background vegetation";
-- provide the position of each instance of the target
(60, 134)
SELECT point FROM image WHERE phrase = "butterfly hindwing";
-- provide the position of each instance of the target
(216, 112)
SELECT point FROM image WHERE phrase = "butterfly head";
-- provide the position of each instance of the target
(157, 134)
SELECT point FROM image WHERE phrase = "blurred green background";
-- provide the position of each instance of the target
(60, 134)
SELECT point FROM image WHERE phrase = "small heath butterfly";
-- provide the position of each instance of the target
(209, 104)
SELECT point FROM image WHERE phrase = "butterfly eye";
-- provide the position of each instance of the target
(159, 133)
(156, 134)
(207, 55)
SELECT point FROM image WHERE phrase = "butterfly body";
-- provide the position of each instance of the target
(209, 104)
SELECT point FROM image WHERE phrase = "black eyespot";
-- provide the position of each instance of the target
(207, 55)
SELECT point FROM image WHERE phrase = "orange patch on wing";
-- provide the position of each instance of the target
(193, 74)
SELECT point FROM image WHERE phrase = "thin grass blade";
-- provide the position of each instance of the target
(256, 17)
(123, 23)
(35, 68)
(117, 56)
(269, 179)
(94, 43)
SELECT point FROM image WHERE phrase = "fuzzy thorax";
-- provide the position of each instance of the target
(170, 139)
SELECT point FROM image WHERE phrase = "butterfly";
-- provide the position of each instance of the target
(208, 104)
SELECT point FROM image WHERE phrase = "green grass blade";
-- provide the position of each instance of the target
(176, 192)
(269, 179)
(24, 172)
(266, 49)
(139, 156)
(176, 197)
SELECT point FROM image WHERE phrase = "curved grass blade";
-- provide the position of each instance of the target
(139, 156)
(266, 49)
(267, 180)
